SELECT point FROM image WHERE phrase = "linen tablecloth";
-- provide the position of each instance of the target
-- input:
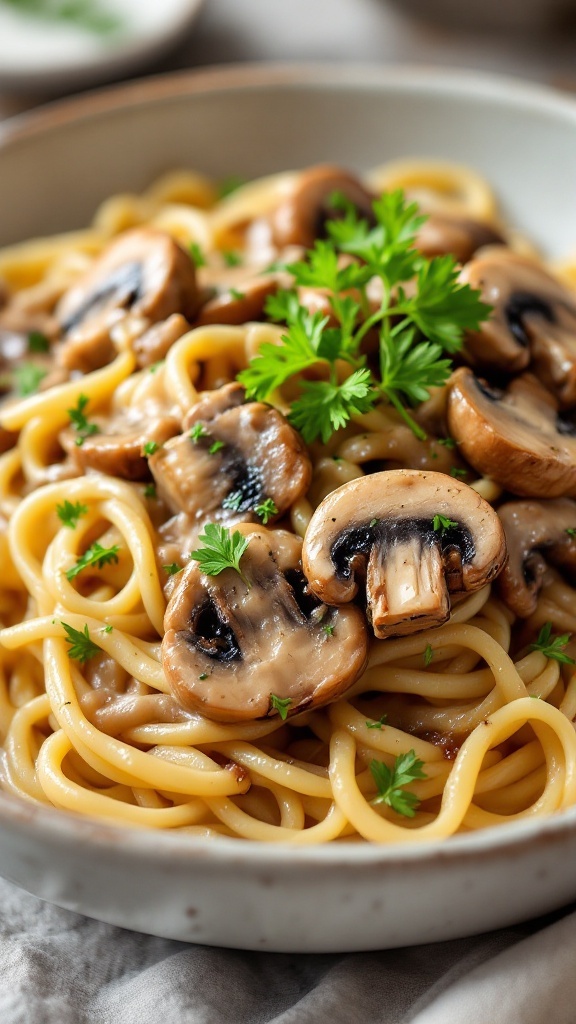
(60, 968)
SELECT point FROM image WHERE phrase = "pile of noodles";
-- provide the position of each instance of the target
(491, 752)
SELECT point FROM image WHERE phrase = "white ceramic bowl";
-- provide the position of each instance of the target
(55, 166)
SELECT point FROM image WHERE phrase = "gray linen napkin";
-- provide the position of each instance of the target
(60, 968)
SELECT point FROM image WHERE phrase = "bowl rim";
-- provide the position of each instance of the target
(63, 827)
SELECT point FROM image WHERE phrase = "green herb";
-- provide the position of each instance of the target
(150, 491)
(107, 629)
(216, 447)
(266, 510)
(172, 569)
(414, 328)
(198, 431)
(94, 555)
(38, 342)
(440, 524)
(203, 676)
(232, 259)
(155, 366)
(79, 421)
(88, 15)
(459, 474)
(233, 501)
(229, 185)
(448, 442)
(571, 531)
(221, 550)
(552, 646)
(197, 256)
(390, 782)
(81, 648)
(377, 724)
(329, 630)
(235, 294)
(281, 705)
(150, 448)
(373, 522)
(27, 378)
(428, 654)
(69, 513)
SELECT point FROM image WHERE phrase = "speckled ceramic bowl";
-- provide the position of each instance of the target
(55, 166)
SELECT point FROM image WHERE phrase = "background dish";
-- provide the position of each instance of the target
(250, 122)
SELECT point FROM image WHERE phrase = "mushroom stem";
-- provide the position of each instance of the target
(405, 582)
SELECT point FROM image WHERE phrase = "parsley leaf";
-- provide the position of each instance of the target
(172, 569)
(196, 255)
(552, 646)
(232, 258)
(266, 510)
(150, 448)
(198, 431)
(221, 550)
(27, 378)
(281, 705)
(325, 407)
(69, 513)
(38, 342)
(81, 648)
(428, 654)
(94, 555)
(390, 782)
(79, 421)
(377, 723)
(441, 523)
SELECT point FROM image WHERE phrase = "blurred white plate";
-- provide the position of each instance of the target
(50, 53)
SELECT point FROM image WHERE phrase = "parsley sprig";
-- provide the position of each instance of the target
(390, 782)
(70, 512)
(94, 555)
(221, 550)
(415, 328)
(80, 422)
(82, 647)
(552, 646)
(281, 705)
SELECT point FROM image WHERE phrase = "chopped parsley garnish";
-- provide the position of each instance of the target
(216, 447)
(552, 646)
(198, 431)
(81, 648)
(172, 569)
(458, 473)
(150, 491)
(390, 782)
(155, 366)
(281, 705)
(329, 630)
(38, 342)
(107, 629)
(373, 522)
(428, 654)
(95, 555)
(79, 421)
(27, 378)
(266, 510)
(69, 513)
(221, 550)
(440, 523)
(377, 723)
(415, 327)
(448, 442)
(237, 295)
(89, 15)
(196, 255)
(571, 531)
(203, 676)
(150, 448)
(232, 258)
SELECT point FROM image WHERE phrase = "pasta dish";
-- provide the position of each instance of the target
(287, 511)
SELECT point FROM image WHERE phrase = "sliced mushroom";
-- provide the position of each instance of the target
(533, 321)
(537, 532)
(143, 272)
(242, 454)
(302, 217)
(153, 346)
(229, 645)
(514, 437)
(384, 528)
(461, 237)
(238, 305)
(118, 448)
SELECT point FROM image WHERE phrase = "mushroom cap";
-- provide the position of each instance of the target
(228, 647)
(260, 456)
(239, 305)
(442, 234)
(536, 533)
(515, 437)
(118, 449)
(301, 218)
(533, 322)
(383, 514)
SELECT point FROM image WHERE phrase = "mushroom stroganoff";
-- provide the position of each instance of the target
(288, 523)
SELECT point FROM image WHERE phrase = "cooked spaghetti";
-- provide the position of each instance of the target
(127, 439)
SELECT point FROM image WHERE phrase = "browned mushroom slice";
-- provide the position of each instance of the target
(537, 532)
(233, 457)
(533, 321)
(301, 218)
(461, 237)
(515, 437)
(229, 646)
(414, 536)
(144, 272)
(118, 447)
(153, 346)
(240, 304)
